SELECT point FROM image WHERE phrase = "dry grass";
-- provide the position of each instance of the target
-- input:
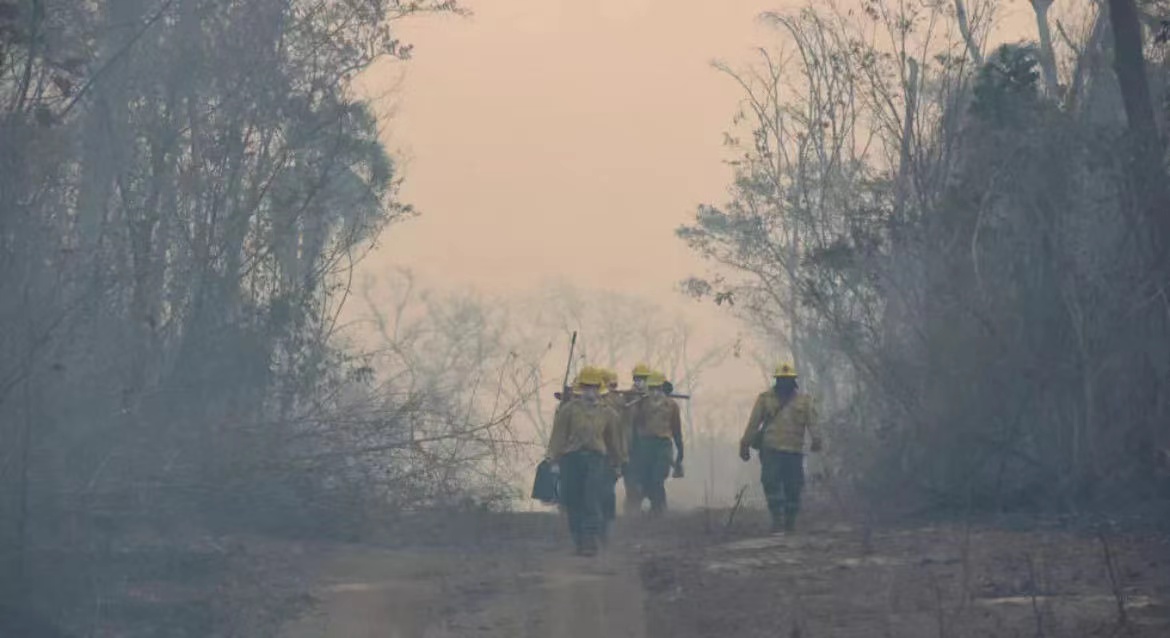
(940, 580)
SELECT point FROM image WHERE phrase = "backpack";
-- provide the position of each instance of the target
(545, 485)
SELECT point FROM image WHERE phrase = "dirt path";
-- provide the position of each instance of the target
(690, 576)
(515, 593)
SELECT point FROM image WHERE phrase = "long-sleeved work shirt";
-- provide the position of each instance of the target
(786, 427)
(581, 424)
(658, 417)
(617, 401)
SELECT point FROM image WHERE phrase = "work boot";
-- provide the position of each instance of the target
(587, 547)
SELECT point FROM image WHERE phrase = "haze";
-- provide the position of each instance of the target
(920, 377)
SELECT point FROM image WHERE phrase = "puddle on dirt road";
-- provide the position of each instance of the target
(749, 563)
(1140, 609)
(1132, 602)
(871, 561)
(562, 578)
(342, 588)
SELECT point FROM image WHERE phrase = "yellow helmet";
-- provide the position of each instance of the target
(656, 380)
(641, 370)
(604, 387)
(609, 376)
(784, 371)
(590, 375)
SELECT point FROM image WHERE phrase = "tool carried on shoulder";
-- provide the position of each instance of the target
(566, 393)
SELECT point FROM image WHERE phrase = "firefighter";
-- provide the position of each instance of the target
(780, 419)
(612, 397)
(656, 423)
(638, 390)
(585, 446)
(640, 375)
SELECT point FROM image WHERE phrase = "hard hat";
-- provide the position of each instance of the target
(656, 379)
(590, 376)
(609, 376)
(604, 374)
(784, 371)
(641, 370)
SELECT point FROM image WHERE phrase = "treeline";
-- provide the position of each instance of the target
(185, 188)
(965, 248)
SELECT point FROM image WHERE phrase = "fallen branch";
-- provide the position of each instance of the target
(735, 507)
(1114, 578)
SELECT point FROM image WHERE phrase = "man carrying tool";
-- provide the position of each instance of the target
(585, 446)
(776, 429)
(656, 423)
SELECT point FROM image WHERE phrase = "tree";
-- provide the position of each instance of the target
(950, 245)
(184, 190)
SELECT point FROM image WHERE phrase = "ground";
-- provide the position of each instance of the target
(518, 587)
(695, 574)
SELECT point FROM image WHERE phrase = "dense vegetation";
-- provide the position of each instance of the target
(185, 187)
(966, 251)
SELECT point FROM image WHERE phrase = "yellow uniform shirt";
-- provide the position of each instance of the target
(617, 401)
(785, 427)
(657, 416)
(585, 425)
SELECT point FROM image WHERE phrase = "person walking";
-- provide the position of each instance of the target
(781, 419)
(615, 400)
(584, 447)
(657, 424)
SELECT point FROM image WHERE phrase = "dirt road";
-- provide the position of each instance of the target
(693, 576)
(514, 592)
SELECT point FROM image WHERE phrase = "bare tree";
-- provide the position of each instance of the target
(929, 237)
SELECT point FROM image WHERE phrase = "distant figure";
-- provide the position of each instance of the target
(656, 423)
(585, 447)
(614, 399)
(634, 496)
(776, 428)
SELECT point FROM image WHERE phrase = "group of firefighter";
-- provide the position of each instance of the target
(601, 434)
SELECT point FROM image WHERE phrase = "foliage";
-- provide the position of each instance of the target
(965, 257)
(185, 188)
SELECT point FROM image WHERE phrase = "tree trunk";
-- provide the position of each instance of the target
(1047, 57)
(1130, 65)
(1149, 178)
(968, 37)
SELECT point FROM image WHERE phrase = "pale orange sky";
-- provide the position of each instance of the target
(563, 139)
(566, 140)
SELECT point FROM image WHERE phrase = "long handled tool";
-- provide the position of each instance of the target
(564, 394)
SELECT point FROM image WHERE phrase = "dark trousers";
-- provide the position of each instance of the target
(649, 466)
(633, 491)
(782, 475)
(583, 485)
